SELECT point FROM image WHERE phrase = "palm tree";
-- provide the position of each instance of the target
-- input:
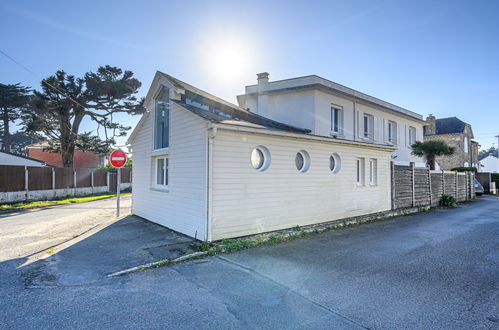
(431, 149)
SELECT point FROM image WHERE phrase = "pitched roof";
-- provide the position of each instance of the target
(21, 156)
(451, 125)
(494, 153)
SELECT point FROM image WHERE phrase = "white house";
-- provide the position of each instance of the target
(212, 170)
(332, 110)
(489, 163)
(7, 158)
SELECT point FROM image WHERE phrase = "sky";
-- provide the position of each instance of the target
(438, 57)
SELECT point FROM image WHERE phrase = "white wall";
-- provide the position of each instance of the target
(6, 159)
(247, 201)
(183, 208)
(311, 109)
(490, 164)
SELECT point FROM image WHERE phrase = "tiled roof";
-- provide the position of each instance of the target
(451, 125)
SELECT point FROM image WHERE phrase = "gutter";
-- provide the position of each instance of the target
(211, 133)
(298, 136)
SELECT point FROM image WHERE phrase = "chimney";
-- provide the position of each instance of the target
(431, 126)
(263, 87)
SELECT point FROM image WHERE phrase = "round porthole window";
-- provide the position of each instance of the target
(335, 163)
(302, 161)
(260, 158)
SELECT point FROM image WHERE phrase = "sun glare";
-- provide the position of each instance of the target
(228, 58)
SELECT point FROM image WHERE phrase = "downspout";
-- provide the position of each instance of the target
(211, 134)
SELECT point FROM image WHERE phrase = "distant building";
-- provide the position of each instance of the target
(456, 133)
(81, 158)
(7, 158)
(489, 162)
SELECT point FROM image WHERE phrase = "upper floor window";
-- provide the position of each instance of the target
(465, 144)
(368, 126)
(162, 120)
(392, 132)
(336, 118)
(412, 135)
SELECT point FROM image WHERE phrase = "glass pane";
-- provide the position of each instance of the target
(332, 163)
(299, 161)
(166, 171)
(161, 120)
(336, 119)
(257, 158)
(160, 171)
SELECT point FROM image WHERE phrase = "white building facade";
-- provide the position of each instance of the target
(332, 110)
(212, 170)
(490, 163)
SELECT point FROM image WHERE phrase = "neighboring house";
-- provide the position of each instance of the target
(489, 162)
(7, 158)
(212, 170)
(81, 158)
(333, 110)
(456, 133)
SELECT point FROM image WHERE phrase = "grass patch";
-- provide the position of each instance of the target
(71, 200)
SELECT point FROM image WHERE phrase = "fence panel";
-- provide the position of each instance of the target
(436, 188)
(100, 178)
(126, 173)
(64, 178)
(461, 187)
(39, 178)
(403, 186)
(421, 187)
(12, 178)
(450, 183)
(83, 177)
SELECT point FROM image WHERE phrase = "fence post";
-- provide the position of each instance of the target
(443, 182)
(53, 182)
(413, 186)
(456, 183)
(108, 181)
(74, 182)
(429, 184)
(392, 176)
(26, 183)
(92, 179)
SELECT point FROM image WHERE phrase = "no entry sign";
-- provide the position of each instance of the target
(118, 158)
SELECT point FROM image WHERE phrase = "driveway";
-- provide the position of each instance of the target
(438, 269)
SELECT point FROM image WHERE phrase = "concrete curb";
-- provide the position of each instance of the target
(282, 234)
(161, 262)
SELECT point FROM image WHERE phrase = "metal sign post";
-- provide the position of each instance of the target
(118, 160)
(118, 188)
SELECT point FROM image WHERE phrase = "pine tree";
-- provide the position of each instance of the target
(14, 100)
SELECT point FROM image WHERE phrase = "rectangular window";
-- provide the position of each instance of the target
(162, 120)
(368, 127)
(335, 120)
(373, 172)
(392, 132)
(162, 173)
(412, 135)
(360, 171)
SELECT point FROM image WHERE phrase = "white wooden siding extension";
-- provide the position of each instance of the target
(247, 201)
(183, 208)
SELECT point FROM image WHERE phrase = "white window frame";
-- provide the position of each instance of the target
(373, 172)
(360, 173)
(339, 120)
(158, 92)
(165, 185)
(412, 137)
(392, 132)
(369, 128)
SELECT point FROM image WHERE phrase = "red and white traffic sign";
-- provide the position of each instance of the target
(118, 158)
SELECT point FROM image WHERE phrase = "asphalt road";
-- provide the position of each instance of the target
(434, 270)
